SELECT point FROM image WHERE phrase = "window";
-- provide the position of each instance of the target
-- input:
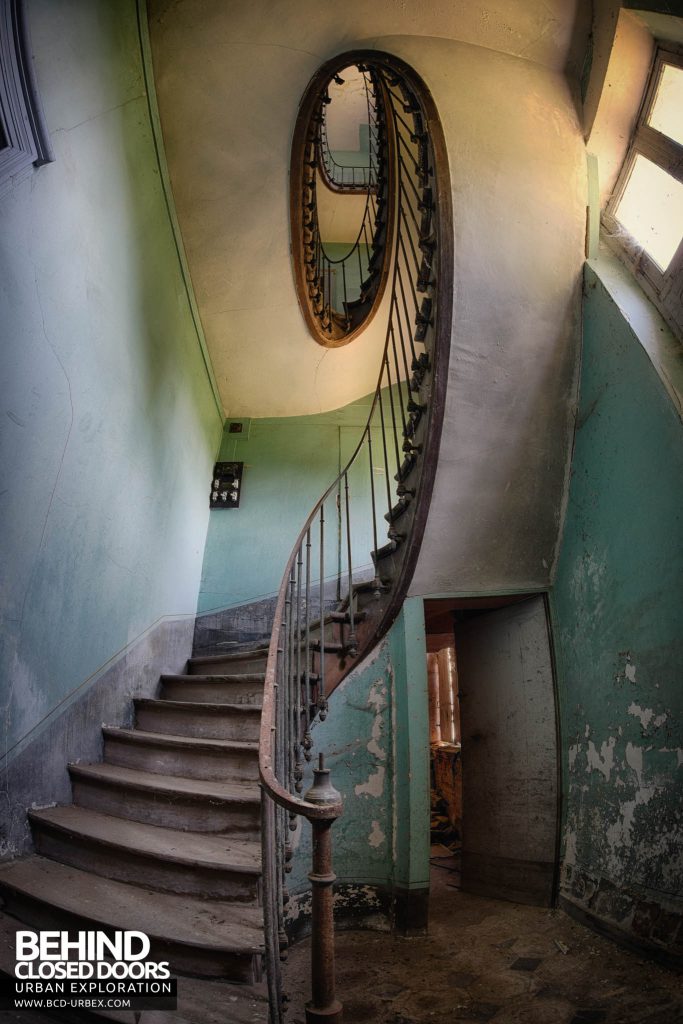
(23, 136)
(644, 218)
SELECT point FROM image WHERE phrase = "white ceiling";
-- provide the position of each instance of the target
(229, 77)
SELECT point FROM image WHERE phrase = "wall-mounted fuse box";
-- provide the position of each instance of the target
(226, 485)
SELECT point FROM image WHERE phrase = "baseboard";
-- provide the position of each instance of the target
(644, 946)
(364, 907)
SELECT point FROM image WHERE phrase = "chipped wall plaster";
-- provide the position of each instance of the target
(382, 839)
(618, 627)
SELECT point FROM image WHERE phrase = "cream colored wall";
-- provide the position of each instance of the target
(615, 95)
(517, 164)
(229, 88)
(340, 216)
(230, 77)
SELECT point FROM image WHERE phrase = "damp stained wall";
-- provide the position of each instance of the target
(618, 630)
(109, 425)
(376, 743)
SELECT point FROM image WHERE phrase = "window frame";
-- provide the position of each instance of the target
(664, 288)
(26, 139)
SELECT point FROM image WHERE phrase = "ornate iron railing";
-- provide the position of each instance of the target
(335, 603)
(351, 178)
(341, 290)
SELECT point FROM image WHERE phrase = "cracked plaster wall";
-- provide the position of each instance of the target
(618, 623)
(108, 422)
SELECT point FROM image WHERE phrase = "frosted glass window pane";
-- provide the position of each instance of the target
(651, 209)
(667, 111)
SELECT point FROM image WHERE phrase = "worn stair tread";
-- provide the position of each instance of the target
(134, 778)
(200, 1000)
(193, 849)
(186, 920)
(230, 654)
(177, 742)
(227, 678)
(219, 1002)
(218, 708)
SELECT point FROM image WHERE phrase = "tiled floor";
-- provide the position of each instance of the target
(486, 960)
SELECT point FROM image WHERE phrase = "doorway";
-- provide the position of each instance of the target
(493, 744)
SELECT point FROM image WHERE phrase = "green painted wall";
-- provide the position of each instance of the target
(618, 626)
(109, 426)
(288, 464)
(376, 743)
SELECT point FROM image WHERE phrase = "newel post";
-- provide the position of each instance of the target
(323, 1006)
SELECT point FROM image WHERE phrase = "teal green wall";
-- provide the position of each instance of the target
(110, 426)
(376, 743)
(618, 627)
(288, 464)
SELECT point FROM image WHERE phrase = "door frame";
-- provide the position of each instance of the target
(503, 599)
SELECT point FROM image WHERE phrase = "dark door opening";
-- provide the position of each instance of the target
(494, 769)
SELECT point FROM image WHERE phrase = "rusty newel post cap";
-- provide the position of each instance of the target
(322, 791)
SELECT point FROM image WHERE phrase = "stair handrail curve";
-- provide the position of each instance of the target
(331, 171)
(404, 424)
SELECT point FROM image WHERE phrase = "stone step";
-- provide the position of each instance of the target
(196, 805)
(207, 1001)
(200, 1000)
(236, 661)
(212, 760)
(211, 866)
(200, 720)
(244, 689)
(207, 938)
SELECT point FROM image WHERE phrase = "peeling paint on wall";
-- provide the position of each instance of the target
(357, 740)
(378, 754)
(603, 760)
(376, 837)
(618, 628)
(377, 702)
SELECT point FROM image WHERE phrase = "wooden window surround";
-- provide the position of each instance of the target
(664, 285)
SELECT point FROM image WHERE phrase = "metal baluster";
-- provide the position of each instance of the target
(409, 322)
(291, 735)
(374, 518)
(416, 259)
(393, 409)
(270, 908)
(398, 377)
(411, 276)
(386, 457)
(403, 345)
(307, 744)
(324, 1008)
(322, 700)
(296, 710)
(352, 643)
(286, 781)
(346, 311)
